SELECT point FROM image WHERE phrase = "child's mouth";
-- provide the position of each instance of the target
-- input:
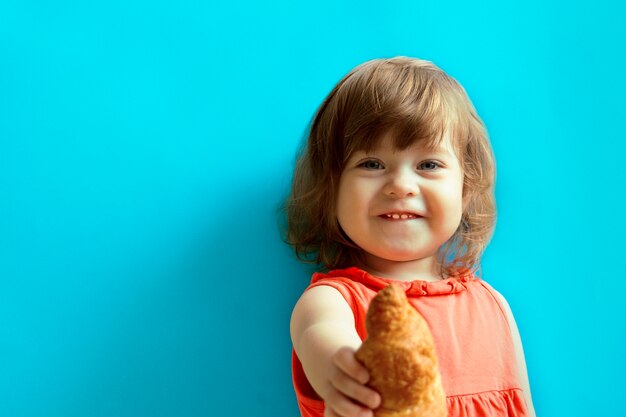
(400, 216)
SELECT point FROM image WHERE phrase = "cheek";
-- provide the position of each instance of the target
(350, 195)
(344, 214)
(459, 206)
(341, 198)
(351, 208)
(449, 201)
(343, 202)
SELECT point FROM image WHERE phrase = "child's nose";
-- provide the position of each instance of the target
(402, 184)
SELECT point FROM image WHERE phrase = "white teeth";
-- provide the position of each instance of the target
(403, 216)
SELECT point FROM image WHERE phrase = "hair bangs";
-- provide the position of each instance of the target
(398, 103)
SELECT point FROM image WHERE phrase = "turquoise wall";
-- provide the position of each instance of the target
(145, 147)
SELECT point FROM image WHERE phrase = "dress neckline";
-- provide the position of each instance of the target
(451, 285)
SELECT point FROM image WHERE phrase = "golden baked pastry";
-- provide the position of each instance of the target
(400, 355)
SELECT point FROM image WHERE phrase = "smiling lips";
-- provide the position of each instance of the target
(400, 216)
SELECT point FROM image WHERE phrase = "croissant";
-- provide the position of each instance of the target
(399, 354)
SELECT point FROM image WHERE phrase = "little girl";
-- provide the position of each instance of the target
(396, 185)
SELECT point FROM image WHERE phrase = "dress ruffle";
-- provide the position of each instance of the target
(414, 288)
(508, 403)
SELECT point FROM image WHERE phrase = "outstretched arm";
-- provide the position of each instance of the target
(324, 338)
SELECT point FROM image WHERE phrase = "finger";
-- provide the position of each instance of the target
(346, 361)
(354, 390)
(342, 406)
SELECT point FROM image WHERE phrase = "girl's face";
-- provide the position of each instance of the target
(401, 205)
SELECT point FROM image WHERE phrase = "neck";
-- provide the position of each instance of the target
(417, 269)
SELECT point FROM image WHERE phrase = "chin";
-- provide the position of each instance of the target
(402, 256)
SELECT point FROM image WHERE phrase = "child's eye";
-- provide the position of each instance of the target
(371, 164)
(429, 165)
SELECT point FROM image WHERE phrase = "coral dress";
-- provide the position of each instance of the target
(471, 333)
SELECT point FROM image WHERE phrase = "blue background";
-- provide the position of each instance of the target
(145, 148)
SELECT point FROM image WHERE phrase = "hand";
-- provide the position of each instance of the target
(347, 395)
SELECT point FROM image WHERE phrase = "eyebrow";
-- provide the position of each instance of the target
(439, 150)
(446, 152)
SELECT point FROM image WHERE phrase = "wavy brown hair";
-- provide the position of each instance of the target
(411, 100)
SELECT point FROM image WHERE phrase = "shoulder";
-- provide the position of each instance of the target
(321, 303)
(506, 311)
(321, 297)
(318, 308)
(518, 348)
(503, 302)
(499, 298)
